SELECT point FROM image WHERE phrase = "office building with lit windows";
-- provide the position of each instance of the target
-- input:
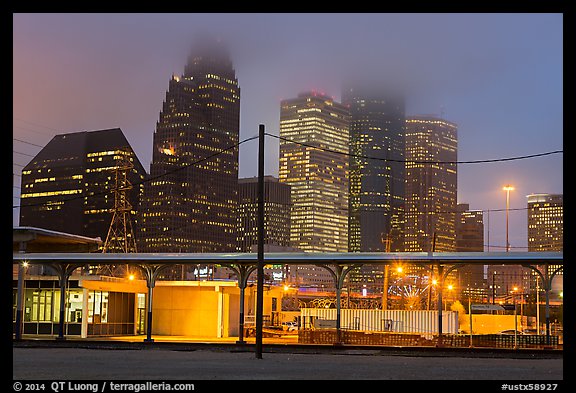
(470, 238)
(546, 232)
(314, 162)
(276, 213)
(189, 204)
(69, 185)
(545, 222)
(376, 199)
(431, 184)
(469, 229)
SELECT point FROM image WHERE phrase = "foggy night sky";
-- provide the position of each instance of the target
(499, 77)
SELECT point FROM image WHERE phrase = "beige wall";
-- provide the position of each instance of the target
(185, 311)
(206, 310)
(234, 313)
(203, 310)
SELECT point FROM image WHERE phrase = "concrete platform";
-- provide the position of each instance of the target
(213, 362)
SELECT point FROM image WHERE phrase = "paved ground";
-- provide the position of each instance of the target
(54, 363)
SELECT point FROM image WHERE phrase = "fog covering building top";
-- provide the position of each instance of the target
(189, 205)
(69, 185)
(377, 130)
(377, 174)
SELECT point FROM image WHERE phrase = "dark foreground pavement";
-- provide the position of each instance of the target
(161, 363)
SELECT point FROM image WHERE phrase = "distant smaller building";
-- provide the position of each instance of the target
(546, 231)
(545, 222)
(276, 213)
(470, 238)
(469, 229)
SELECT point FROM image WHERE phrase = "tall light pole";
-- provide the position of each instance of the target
(507, 188)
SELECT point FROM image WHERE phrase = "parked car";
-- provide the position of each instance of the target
(290, 326)
(534, 331)
(511, 332)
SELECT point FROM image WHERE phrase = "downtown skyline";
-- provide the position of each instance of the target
(517, 119)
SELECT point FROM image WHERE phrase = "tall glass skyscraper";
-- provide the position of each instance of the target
(376, 204)
(190, 202)
(315, 163)
(377, 129)
(431, 187)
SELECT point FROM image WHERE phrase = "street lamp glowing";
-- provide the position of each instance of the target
(286, 288)
(24, 264)
(399, 269)
(131, 277)
(514, 289)
(507, 188)
(450, 287)
(434, 282)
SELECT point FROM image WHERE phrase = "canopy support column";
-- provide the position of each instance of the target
(339, 274)
(242, 274)
(64, 271)
(151, 274)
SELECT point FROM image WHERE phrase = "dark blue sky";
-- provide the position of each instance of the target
(498, 76)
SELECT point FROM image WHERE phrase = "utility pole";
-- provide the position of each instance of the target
(431, 273)
(386, 241)
(507, 188)
(260, 266)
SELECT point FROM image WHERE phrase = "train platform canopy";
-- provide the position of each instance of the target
(39, 240)
(456, 258)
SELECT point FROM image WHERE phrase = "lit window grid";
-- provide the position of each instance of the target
(430, 188)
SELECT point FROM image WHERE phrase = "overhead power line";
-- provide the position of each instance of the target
(149, 178)
(35, 124)
(303, 144)
(405, 213)
(414, 161)
(28, 143)
(31, 130)
(24, 154)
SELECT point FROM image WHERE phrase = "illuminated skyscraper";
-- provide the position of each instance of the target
(376, 204)
(545, 222)
(190, 203)
(69, 185)
(377, 129)
(315, 164)
(431, 187)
